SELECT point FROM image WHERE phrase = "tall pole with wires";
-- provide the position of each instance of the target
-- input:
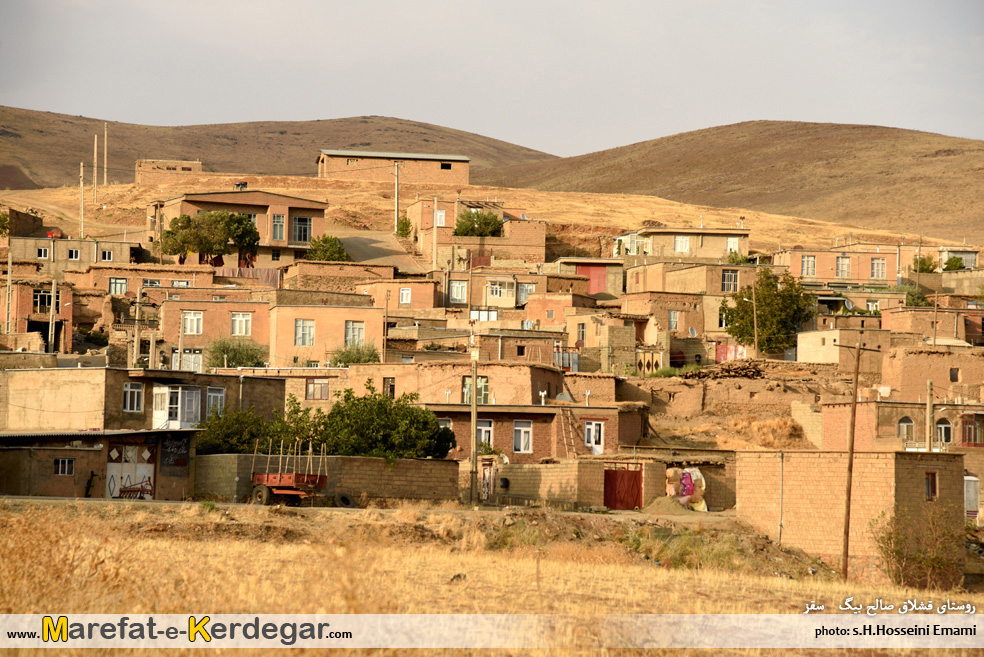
(396, 196)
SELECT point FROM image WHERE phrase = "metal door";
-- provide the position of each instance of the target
(488, 472)
(623, 488)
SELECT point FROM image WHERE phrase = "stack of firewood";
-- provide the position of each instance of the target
(732, 369)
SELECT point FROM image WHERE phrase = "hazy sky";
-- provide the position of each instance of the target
(565, 77)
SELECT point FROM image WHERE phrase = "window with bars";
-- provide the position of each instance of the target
(729, 280)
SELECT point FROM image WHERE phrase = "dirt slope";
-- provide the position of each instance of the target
(875, 177)
(44, 149)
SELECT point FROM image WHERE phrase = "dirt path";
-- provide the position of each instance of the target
(61, 217)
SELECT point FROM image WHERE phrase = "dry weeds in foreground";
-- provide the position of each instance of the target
(127, 559)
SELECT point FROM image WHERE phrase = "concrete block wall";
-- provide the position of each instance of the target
(719, 492)
(810, 418)
(581, 482)
(415, 479)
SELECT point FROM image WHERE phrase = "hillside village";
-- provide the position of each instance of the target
(585, 379)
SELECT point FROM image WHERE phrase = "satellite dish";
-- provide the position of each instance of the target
(693, 332)
(563, 396)
(848, 304)
(522, 216)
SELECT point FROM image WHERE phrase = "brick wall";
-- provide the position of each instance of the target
(812, 489)
(418, 479)
(580, 482)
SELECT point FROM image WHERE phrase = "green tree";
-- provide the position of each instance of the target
(210, 234)
(923, 264)
(782, 306)
(327, 248)
(355, 353)
(232, 432)
(403, 227)
(478, 224)
(735, 258)
(235, 352)
(376, 425)
(953, 263)
(4, 224)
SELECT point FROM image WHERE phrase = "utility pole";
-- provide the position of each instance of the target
(95, 165)
(52, 309)
(930, 436)
(105, 151)
(181, 340)
(755, 316)
(936, 309)
(136, 331)
(473, 495)
(396, 195)
(81, 200)
(10, 282)
(850, 458)
(386, 306)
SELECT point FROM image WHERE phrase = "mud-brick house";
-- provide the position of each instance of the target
(309, 335)
(379, 166)
(332, 276)
(927, 323)
(31, 306)
(520, 240)
(127, 464)
(838, 346)
(55, 255)
(189, 327)
(518, 411)
(956, 374)
(286, 224)
(798, 499)
(681, 242)
(606, 276)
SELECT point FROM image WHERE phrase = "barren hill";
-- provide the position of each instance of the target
(43, 149)
(878, 178)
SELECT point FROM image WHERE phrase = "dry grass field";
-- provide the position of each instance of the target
(868, 176)
(189, 558)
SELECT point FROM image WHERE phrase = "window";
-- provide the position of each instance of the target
(520, 350)
(311, 363)
(190, 361)
(808, 265)
(681, 243)
(406, 359)
(242, 323)
(106, 256)
(525, 290)
(304, 332)
(878, 267)
(975, 305)
(843, 267)
(301, 229)
(581, 332)
(275, 255)
(65, 467)
(404, 295)
(277, 228)
(316, 389)
(299, 255)
(151, 282)
(250, 216)
(174, 297)
(444, 422)
(389, 386)
(216, 297)
(733, 244)
(496, 290)
(944, 432)
(484, 430)
(729, 280)
(484, 315)
(971, 432)
(117, 286)
(42, 300)
(872, 305)
(191, 405)
(42, 252)
(674, 320)
(722, 318)
(73, 254)
(905, 429)
(523, 436)
(439, 217)
(458, 291)
(594, 433)
(931, 487)
(132, 397)
(350, 161)
(550, 314)
(192, 322)
(214, 401)
(355, 333)
(445, 166)
(180, 283)
(483, 390)
(954, 375)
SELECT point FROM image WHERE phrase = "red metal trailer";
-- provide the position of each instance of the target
(288, 485)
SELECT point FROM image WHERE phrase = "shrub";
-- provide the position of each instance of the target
(923, 554)
(356, 353)
(235, 352)
(403, 227)
(478, 224)
(327, 248)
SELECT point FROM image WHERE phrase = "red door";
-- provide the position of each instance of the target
(623, 489)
